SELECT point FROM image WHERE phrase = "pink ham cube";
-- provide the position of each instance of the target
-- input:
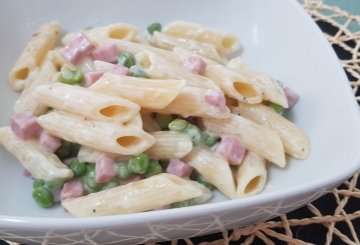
(24, 125)
(195, 64)
(106, 53)
(179, 168)
(77, 48)
(49, 141)
(91, 77)
(120, 70)
(104, 169)
(72, 189)
(215, 97)
(231, 148)
(291, 96)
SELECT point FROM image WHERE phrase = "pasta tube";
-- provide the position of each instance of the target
(272, 90)
(250, 176)
(103, 136)
(225, 43)
(234, 84)
(191, 102)
(143, 195)
(295, 142)
(41, 163)
(148, 93)
(167, 42)
(213, 168)
(158, 67)
(117, 31)
(170, 145)
(48, 74)
(255, 137)
(33, 55)
(86, 103)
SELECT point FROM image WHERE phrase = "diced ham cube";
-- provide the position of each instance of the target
(231, 148)
(91, 77)
(49, 141)
(215, 97)
(291, 97)
(72, 189)
(104, 169)
(24, 125)
(27, 173)
(179, 168)
(77, 48)
(106, 53)
(195, 64)
(120, 70)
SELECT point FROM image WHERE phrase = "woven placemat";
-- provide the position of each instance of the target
(333, 218)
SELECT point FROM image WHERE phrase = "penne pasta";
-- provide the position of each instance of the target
(167, 42)
(148, 93)
(213, 168)
(251, 175)
(86, 103)
(41, 163)
(117, 31)
(191, 102)
(87, 154)
(136, 122)
(104, 136)
(225, 43)
(158, 67)
(170, 145)
(135, 48)
(48, 74)
(295, 142)
(272, 90)
(234, 84)
(33, 55)
(253, 136)
(143, 195)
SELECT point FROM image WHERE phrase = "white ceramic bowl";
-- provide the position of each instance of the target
(279, 38)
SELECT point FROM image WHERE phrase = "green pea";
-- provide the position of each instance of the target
(43, 197)
(89, 179)
(137, 72)
(205, 183)
(178, 125)
(163, 120)
(89, 189)
(78, 167)
(153, 169)
(71, 76)
(209, 139)
(126, 59)
(123, 171)
(139, 164)
(55, 184)
(277, 108)
(38, 183)
(153, 27)
(194, 133)
(181, 204)
(109, 185)
(67, 149)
